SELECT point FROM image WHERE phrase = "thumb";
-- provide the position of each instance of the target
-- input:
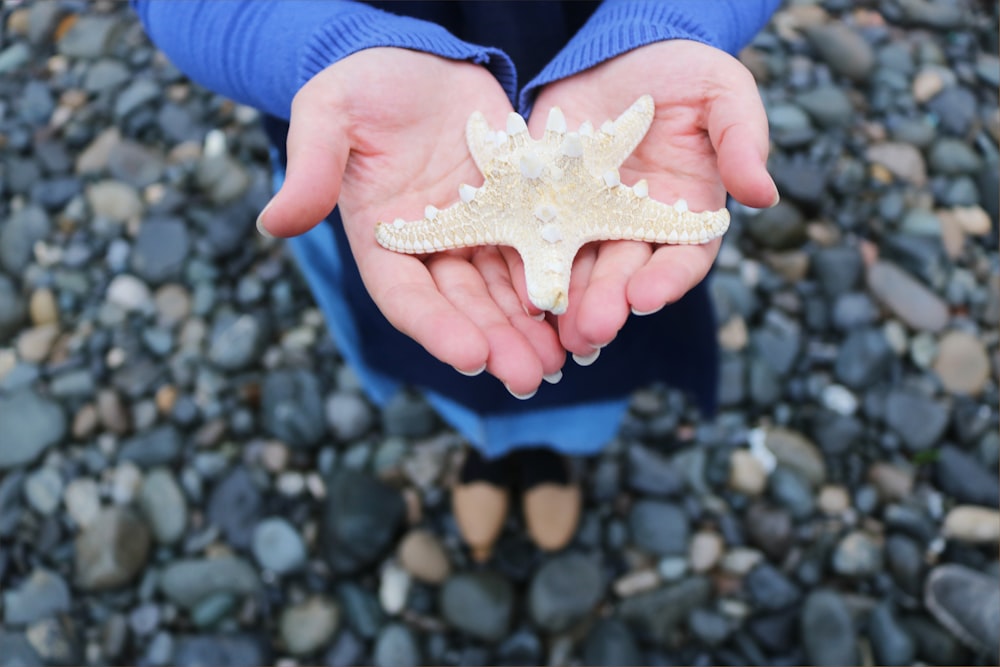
(737, 127)
(317, 155)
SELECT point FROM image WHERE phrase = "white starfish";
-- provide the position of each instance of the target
(546, 198)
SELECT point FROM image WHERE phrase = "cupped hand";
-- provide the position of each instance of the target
(709, 136)
(381, 134)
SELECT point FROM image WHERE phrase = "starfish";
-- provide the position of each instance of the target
(546, 198)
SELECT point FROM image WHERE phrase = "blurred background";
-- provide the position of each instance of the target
(189, 474)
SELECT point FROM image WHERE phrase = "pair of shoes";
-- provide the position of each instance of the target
(550, 499)
(967, 603)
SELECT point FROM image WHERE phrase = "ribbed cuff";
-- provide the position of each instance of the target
(619, 26)
(362, 27)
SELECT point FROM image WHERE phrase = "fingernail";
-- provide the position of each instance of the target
(553, 378)
(539, 317)
(777, 198)
(521, 397)
(471, 373)
(643, 313)
(586, 360)
(260, 224)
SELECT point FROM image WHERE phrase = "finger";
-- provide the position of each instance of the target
(604, 306)
(405, 292)
(584, 353)
(539, 333)
(737, 128)
(317, 155)
(511, 358)
(669, 274)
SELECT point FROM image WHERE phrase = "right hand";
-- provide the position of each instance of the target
(381, 134)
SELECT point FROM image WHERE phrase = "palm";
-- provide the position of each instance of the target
(709, 135)
(397, 149)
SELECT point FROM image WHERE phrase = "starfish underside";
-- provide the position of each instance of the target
(546, 198)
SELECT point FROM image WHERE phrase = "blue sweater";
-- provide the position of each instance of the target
(261, 52)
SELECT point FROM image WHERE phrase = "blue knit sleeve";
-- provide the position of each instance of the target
(622, 25)
(261, 53)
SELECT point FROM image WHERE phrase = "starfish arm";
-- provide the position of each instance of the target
(461, 225)
(481, 139)
(609, 147)
(636, 217)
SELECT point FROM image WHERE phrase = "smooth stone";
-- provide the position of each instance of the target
(478, 603)
(421, 554)
(361, 519)
(293, 408)
(277, 546)
(953, 157)
(161, 248)
(792, 491)
(237, 341)
(105, 75)
(523, 647)
(14, 57)
(396, 646)
(769, 589)
(893, 482)
(968, 523)
(843, 49)
(652, 474)
(361, 609)
(128, 293)
(796, 452)
(17, 651)
(610, 643)
(828, 634)
(222, 178)
(904, 560)
(941, 15)
(348, 415)
(346, 650)
(18, 236)
(43, 489)
(746, 473)
(658, 527)
(709, 627)
(55, 639)
(955, 109)
(394, 588)
(837, 268)
(82, 500)
(828, 105)
(857, 555)
(655, 615)
(309, 625)
(919, 420)
(890, 642)
(136, 95)
(408, 416)
(789, 125)
(863, 358)
(223, 650)
(780, 227)
(163, 504)
(135, 164)
(962, 363)
(159, 446)
(32, 424)
(966, 479)
(705, 551)
(42, 307)
(902, 160)
(186, 582)
(111, 551)
(114, 201)
(12, 308)
(43, 593)
(564, 590)
(935, 645)
(769, 529)
(235, 505)
(90, 37)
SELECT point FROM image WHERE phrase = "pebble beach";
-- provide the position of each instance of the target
(191, 475)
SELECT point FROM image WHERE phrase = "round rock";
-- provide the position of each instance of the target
(277, 546)
(564, 590)
(32, 424)
(478, 604)
(309, 625)
(112, 550)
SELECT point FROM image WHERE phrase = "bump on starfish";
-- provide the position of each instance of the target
(548, 197)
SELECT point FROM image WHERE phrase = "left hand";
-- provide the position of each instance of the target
(709, 136)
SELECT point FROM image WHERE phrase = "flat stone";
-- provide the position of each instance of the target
(90, 37)
(891, 644)
(226, 650)
(12, 309)
(705, 551)
(186, 582)
(18, 236)
(361, 519)
(114, 200)
(781, 227)
(396, 646)
(658, 527)
(656, 615)
(112, 550)
(32, 424)
(96, 156)
(976, 525)
(128, 293)
(159, 446)
(962, 363)
(478, 603)
(893, 482)
(44, 593)
(277, 546)
(919, 420)
(843, 49)
(828, 634)
(966, 479)
(421, 554)
(235, 505)
(564, 590)
(43, 490)
(610, 642)
(161, 248)
(293, 408)
(903, 161)
(309, 625)
(163, 504)
(797, 452)
(857, 555)
(769, 529)
(907, 298)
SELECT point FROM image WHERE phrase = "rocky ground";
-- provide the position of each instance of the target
(190, 475)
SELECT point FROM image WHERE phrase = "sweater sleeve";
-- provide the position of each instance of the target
(622, 25)
(262, 53)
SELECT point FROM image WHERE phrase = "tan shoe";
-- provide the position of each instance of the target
(480, 501)
(480, 509)
(552, 513)
(550, 498)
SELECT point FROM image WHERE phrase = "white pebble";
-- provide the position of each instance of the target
(82, 499)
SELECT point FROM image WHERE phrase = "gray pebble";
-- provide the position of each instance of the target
(277, 546)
